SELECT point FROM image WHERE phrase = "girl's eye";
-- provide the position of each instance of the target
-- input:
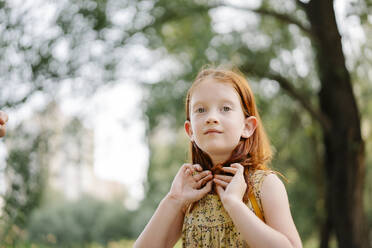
(200, 110)
(226, 108)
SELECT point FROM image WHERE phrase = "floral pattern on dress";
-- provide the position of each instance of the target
(209, 225)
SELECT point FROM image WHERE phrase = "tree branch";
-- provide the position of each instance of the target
(301, 4)
(291, 91)
(287, 86)
(282, 17)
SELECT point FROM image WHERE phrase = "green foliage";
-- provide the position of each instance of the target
(80, 222)
(32, 60)
(29, 162)
(95, 11)
(123, 243)
(25, 174)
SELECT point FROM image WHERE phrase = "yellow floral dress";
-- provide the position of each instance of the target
(209, 225)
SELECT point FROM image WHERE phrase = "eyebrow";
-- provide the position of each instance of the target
(224, 101)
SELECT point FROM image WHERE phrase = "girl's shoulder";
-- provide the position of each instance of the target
(257, 177)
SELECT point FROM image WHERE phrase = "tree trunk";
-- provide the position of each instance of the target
(326, 228)
(344, 147)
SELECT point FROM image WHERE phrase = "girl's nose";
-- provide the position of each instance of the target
(211, 119)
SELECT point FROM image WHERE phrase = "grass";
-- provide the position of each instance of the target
(311, 243)
(114, 244)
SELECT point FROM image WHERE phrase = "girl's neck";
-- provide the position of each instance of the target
(218, 159)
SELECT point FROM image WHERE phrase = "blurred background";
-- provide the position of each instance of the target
(95, 89)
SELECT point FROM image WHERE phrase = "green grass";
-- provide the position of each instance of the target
(114, 244)
(311, 243)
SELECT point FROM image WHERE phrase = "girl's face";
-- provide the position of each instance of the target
(217, 121)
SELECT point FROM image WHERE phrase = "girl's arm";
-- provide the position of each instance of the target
(279, 229)
(165, 226)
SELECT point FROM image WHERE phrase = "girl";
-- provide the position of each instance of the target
(227, 197)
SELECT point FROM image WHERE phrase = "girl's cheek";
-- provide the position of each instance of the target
(198, 123)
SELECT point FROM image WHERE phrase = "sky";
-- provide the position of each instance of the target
(114, 115)
(119, 137)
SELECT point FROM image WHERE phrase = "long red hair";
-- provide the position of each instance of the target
(254, 152)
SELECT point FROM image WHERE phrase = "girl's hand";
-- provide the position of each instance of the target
(231, 187)
(187, 186)
(3, 120)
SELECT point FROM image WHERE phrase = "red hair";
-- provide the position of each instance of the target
(254, 152)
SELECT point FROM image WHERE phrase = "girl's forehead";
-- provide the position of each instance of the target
(211, 88)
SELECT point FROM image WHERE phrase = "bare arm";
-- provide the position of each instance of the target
(176, 230)
(165, 226)
(279, 229)
(156, 232)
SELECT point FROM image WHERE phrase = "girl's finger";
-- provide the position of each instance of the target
(220, 182)
(188, 169)
(197, 167)
(189, 172)
(184, 167)
(202, 181)
(201, 175)
(238, 166)
(219, 190)
(224, 178)
(203, 191)
(230, 169)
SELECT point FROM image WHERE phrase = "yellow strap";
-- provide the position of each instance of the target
(256, 209)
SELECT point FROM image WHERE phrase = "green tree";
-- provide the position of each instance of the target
(44, 46)
(25, 178)
(79, 223)
(49, 44)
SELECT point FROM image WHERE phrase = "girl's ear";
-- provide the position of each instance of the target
(250, 124)
(188, 130)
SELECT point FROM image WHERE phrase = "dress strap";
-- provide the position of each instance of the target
(254, 203)
(255, 194)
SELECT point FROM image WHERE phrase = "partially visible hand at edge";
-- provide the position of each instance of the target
(3, 120)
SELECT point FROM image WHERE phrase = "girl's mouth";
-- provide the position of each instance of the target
(211, 131)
